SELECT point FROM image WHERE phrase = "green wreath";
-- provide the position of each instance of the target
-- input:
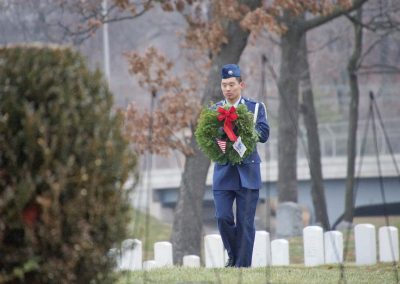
(209, 129)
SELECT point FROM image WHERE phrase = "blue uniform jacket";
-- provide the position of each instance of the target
(247, 174)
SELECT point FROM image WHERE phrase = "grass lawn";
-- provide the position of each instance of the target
(296, 252)
(295, 273)
(381, 273)
(157, 231)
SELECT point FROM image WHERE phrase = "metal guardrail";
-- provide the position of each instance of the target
(333, 140)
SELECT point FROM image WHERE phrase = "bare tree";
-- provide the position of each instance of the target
(314, 148)
(63, 21)
(296, 28)
(381, 20)
(353, 114)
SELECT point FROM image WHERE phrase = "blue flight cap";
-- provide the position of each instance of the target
(230, 70)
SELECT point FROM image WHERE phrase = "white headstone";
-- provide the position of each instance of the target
(213, 251)
(313, 241)
(388, 244)
(150, 264)
(280, 252)
(365, 244)
(163, 253)
(333, 241)
(261, 250)
(131, 255)
(191, 261)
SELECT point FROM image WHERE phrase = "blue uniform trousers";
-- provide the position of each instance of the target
(238, 238)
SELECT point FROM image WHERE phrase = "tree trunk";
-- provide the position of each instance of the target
(313, 143)
(187, 226)
(288, 85)
(353, 117)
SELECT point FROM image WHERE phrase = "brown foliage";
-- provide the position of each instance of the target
(176, 111)
(132, 7)
(205, 36)
(270, 16)
(175, 114)
(260, 18)
(311, 6)
(208, 35)
(151, 70)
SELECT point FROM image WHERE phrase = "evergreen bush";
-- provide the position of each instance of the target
(63, 165)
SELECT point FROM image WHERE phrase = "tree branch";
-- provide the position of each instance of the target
(372, 46)
(271, 70)
(318, 48)
(80, 35)
(379, 69)
(374, 25)
(317, 21)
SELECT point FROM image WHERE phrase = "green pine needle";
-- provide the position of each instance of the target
(207, 133)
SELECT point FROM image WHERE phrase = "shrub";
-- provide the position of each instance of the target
(63, 165)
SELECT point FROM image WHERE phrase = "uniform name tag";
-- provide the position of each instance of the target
(239, 147)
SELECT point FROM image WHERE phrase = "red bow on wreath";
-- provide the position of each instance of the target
(229, 116)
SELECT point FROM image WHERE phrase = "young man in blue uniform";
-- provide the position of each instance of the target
(238, 182)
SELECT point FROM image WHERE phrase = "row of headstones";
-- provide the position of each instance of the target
(327, 248)
(319, 248)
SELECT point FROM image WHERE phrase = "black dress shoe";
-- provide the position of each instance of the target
(230, 262)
